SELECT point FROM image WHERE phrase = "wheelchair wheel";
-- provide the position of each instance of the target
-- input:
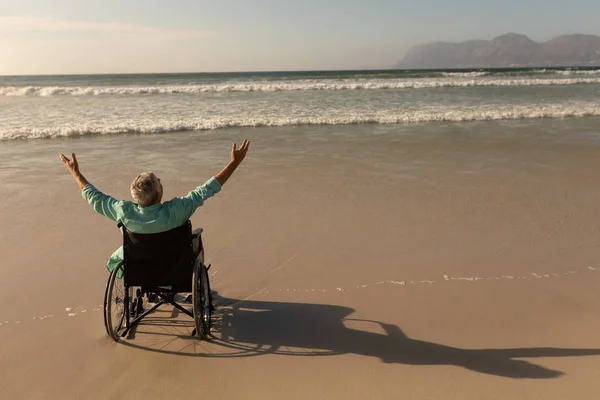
(114, 303)
(201, 299)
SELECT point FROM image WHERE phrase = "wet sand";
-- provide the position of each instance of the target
(446, 265)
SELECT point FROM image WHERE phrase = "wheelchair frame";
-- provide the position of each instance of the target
(133, 312)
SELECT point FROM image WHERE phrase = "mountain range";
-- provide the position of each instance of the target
(509, 50)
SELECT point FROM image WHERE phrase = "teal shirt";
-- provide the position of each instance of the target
(156, 218)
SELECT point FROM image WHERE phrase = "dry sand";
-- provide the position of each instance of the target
(398, 269)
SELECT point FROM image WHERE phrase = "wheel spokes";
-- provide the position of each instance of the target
(117, 304)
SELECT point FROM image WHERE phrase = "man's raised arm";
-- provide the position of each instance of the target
(237, 156)
(102, 203)
(73, 168)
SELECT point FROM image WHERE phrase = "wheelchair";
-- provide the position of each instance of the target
(164, 264)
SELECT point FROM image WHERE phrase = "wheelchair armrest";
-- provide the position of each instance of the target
(197, 232)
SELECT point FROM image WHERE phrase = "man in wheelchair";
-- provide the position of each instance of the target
(147, 219)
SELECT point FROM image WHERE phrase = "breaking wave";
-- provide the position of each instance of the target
(483, 113)
(474, 74)
(578, 72)
(277, 86)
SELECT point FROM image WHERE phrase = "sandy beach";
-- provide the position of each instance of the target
(457, 261)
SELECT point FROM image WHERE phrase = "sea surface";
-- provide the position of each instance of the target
(38, 107)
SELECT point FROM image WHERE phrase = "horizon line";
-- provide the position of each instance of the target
(307, 70)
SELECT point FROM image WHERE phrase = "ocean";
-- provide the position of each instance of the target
(431, 226)
(37, 107)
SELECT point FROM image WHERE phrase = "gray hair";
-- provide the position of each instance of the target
(146, 189)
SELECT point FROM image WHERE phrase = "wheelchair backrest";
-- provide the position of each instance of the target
(159, 259)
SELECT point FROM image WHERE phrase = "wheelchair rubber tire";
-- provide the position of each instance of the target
(113, 329)
(201, 299)
(208, 305)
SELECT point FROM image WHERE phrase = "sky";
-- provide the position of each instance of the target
(145, 36)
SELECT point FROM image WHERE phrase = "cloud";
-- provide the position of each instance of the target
(11, 24)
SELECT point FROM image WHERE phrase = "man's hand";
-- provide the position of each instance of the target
(237, 156)
(71, 165)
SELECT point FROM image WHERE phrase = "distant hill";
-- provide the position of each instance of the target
(509, 50)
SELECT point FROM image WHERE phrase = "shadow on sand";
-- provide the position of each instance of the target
(253, 328)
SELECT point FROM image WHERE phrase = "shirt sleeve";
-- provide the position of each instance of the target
(184, 207)
(103, 204)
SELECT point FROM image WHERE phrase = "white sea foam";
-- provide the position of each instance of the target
(473, 74)
(477, 113)
(282, 86)
(567, 72)
(579, 72)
